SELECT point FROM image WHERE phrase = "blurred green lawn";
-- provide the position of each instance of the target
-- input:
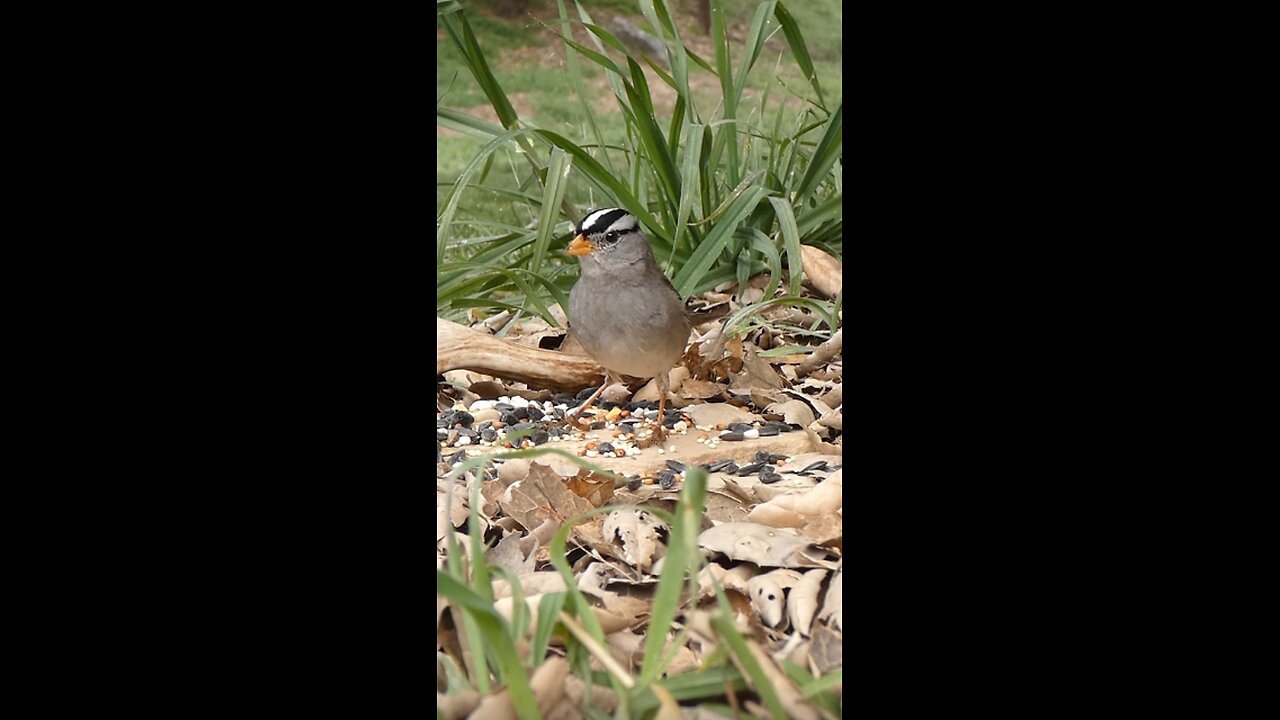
(528, 62)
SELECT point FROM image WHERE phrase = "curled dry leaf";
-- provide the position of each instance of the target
(637, 532)
(718, 414)
(822, 270)
(508, 554)
(768, 594)
(763, 545)
(802, 602)
(675, 379)
(533, 583)
(458, 704)
(827, 650)
(547, 684)
(824, 499)
(794, 412)
(757, 373)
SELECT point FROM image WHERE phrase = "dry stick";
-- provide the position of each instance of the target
(821, 354)
(461, 348)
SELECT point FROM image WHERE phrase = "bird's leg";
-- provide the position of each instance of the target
(661, 432)
(575, 415)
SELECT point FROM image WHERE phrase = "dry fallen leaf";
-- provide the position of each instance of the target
(541, 496)
(768, 594)
(595, 488)
(822, 270)
(763, 545)
(802, 601)
(637, 532)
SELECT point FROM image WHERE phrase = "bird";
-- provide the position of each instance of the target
(623, 310)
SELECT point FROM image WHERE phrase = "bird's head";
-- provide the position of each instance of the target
(609, 235)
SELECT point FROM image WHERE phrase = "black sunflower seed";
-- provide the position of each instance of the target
(605, 447)
(675, 465)
(746, 470)
(539, 437)
(768, 430)
(740, 427)
(733, 436)
(821, 464)
(719, 465)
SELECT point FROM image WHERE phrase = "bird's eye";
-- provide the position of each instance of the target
(611, 235)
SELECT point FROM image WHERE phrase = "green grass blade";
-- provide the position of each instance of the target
(496, 636)
(795, 39)
(705, 255)
(682, 555)
(760, 242)
(548, 608)
(791, 240)
(824, 155)
(552, 195)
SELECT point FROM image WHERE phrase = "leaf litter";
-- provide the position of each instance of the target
(771, 535)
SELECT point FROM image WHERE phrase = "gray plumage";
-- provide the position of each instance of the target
(623, 309)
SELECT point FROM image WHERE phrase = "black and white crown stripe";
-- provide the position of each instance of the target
(608, 220)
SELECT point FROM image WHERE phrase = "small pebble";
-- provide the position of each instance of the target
(671, 448)
(666, 478)
(751, 434)
(521, 413)
(599, 425)
(555, 433)
(770, 478)
(634, 485)
(661, 451)
(681, 426)
(483, 405)
(488, 434)
(519, 402)
(605, 447)
(442, 433)
(540, 437)
(464, 440)
(504, 407)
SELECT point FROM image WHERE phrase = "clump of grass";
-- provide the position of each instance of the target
(724, 188)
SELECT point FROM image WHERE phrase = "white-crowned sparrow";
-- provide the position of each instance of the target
(623, 310)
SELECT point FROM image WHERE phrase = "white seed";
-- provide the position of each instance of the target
(463, 440)
(752, 433)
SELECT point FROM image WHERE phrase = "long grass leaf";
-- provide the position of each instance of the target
(552, 194)
(705, 255)
(824, 155)
(496, 637)
(791, 240)
(795, 39)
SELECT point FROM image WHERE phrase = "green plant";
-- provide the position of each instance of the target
(725, 187)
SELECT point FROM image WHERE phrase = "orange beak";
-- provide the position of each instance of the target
(579, 246)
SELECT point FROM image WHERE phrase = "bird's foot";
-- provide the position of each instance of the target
(651, 436)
